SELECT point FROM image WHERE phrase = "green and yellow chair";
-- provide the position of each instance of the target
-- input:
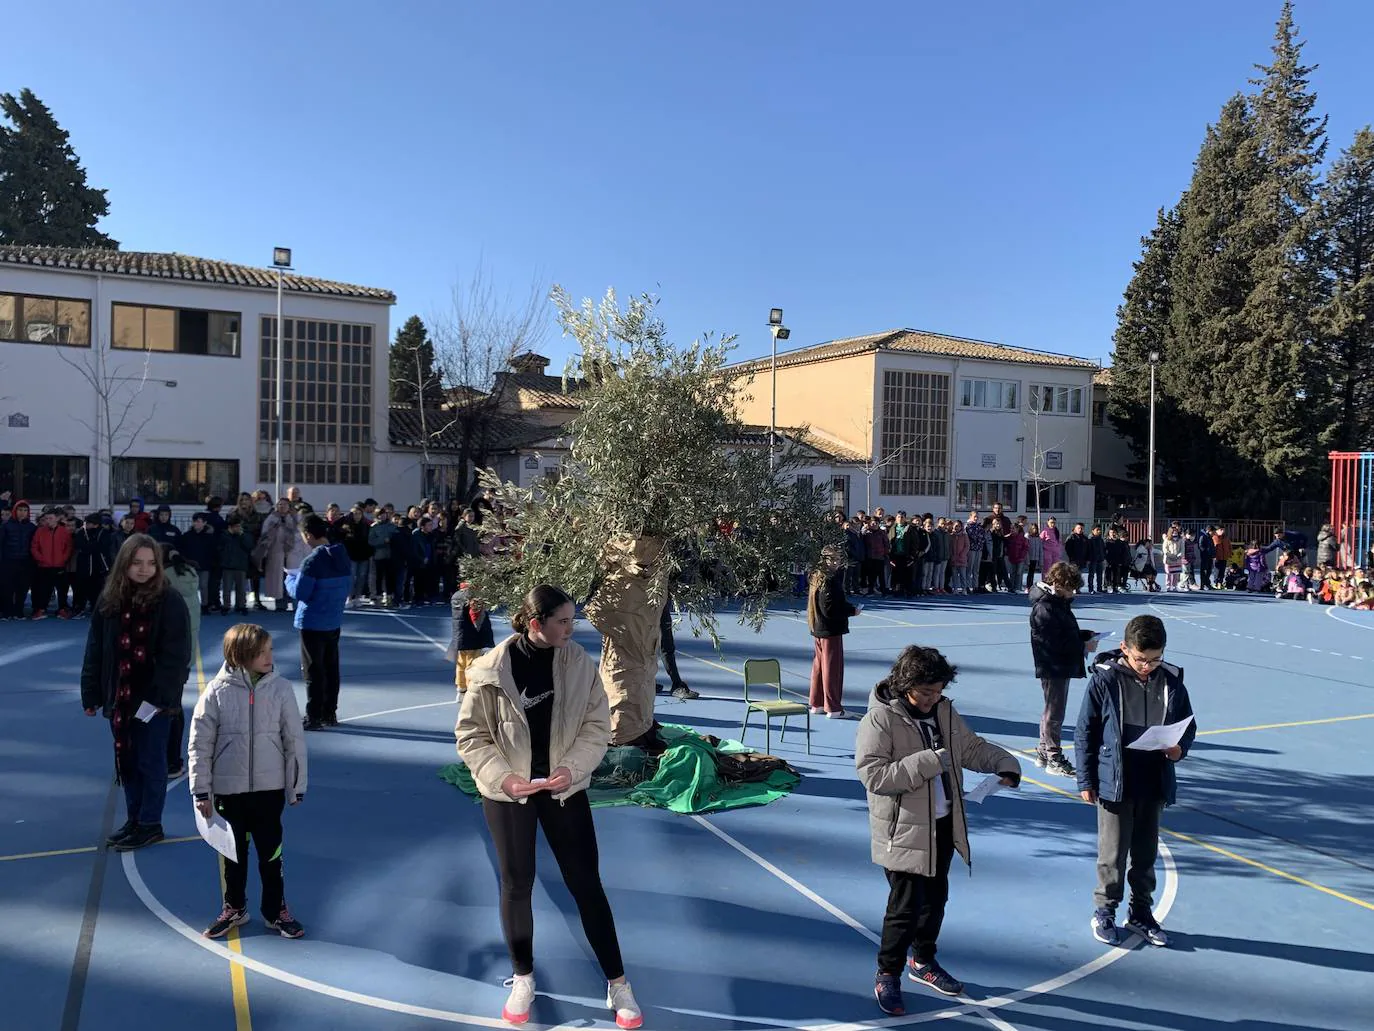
(767, 673)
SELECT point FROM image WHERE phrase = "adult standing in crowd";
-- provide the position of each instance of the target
(16, 560)
(533, 725)
(253, 510)
(321, 592)
(1326, 546)
(280, 534)
(827, 616)
(137, 650)
(383, 536)
(1059, 647)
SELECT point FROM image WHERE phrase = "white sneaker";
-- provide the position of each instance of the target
(621, 999)
(517, 1007)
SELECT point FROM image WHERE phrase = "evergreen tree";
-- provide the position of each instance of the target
(1347, 320)
(412, 371)
(1282, 424)
(44, 198)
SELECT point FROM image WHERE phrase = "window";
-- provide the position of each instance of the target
(441, 482)
(996, 394)
(46, 479)
(915, 434)
(1053, 399)
(45, 320)
(980, 494)
(1053, 496)
(174, 481)
(326, 401)
(1099, 413)
(805, 483)
(140, 327)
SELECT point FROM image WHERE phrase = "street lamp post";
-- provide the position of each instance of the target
(281, 261)
(779, 332)
(1150, 485)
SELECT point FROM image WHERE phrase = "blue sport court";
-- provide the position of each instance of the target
(750, 919)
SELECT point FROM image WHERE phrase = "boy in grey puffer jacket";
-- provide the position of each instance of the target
(247, 757)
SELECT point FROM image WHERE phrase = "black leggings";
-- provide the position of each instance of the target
(571, 836)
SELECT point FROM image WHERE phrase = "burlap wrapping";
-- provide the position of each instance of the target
(623, 612)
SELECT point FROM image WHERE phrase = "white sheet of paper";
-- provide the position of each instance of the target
(984, 788)
(217, 834)
(1157, 739)
(146, 711)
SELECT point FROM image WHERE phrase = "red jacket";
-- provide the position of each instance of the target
(51, 548)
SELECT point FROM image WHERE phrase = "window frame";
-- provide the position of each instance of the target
(973, 382)
(964, 500)
(228, 488)
(13, 479)
(1037, 391)
(176, 329)
(1057, 491)
(18, 321)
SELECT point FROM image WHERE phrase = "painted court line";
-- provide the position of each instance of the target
(85, 850)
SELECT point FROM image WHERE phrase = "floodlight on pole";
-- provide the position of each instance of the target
(1150, 484)
(281, 260)
(779, 332)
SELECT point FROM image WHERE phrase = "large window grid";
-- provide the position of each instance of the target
(174, 481)
(914, 439)
(145, 327)
(981, 494)
(326, 402)
(47, 479)
(34, 319)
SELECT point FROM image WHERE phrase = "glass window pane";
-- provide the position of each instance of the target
(128, 327)
(1076, 401)
(8, 316)
(980, 393)
(40, 320)
(1011, 396)
(161, 329)
(74, 322)
(224, 333)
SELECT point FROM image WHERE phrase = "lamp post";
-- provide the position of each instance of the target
(1150, 485)
(779, 332)
(281, 261)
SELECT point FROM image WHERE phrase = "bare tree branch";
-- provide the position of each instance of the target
(120, 419)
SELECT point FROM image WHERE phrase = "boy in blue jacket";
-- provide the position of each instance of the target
(1131, 688)
(321, 591)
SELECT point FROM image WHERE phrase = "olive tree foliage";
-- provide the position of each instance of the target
(653, 486)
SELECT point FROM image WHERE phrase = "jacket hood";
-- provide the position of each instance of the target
(1044, 592)
(884, 695)
(239, 677)
(139, 501)
(335, 559)
(160, 508)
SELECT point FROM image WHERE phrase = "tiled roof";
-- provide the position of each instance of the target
(535, 390)
(184, 267)
(444, 428)
(920, 342)
(1103, 378)
(825, 449)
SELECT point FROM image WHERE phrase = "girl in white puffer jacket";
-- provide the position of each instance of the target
(247, 762)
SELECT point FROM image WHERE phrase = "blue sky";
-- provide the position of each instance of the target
(982, 169)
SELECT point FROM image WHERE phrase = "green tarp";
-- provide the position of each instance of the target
(685, 780)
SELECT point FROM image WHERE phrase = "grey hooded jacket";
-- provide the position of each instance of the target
(897, 768)
(247, 737)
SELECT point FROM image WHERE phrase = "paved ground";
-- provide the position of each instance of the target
(750, 919)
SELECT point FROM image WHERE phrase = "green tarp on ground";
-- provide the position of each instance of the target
(685, 779)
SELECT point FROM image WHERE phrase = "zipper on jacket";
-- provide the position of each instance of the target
(251, 735)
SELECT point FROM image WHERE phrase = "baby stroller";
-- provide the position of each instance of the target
(1142, 568)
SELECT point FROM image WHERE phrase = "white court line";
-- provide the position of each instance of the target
(1360, 626)
(971, 1007)
(404, 708)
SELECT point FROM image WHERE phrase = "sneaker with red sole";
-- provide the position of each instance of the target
(621, 1000)
(887, 989)
(521, 998)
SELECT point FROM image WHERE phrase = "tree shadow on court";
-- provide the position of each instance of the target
(1060, 1012)
(1309, 955)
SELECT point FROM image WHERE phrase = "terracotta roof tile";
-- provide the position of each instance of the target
(149, 265)
(406, 428)
(920, 342)
(825, 449)
(536, 390)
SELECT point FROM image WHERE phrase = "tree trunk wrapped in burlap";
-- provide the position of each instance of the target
(625, 610)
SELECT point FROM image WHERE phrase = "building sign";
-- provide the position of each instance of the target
(989, 461)
(1054, 459)
(532, 462)
(19, 421)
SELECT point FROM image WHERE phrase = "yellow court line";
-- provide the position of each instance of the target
(238, 979)
(85, 850)
(1295, 723)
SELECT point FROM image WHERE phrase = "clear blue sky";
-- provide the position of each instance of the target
(982, 169)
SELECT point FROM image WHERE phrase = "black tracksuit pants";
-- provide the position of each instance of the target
(256, 817)
(916, 906)
(320, 667)
(571, 835)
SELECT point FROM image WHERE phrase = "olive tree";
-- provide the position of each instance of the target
(658, 497)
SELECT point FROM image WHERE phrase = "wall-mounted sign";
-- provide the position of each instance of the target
(19, 421)
(532, 462)
(989, 461)
(1054, 459)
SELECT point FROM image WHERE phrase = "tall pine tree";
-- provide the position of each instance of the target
(1347, 320)
(412, 371)
(1283, 426)
(44, 198)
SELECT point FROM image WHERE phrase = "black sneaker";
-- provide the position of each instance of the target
(1104, 927)
(1143, 923)
(932, 975)
(887, 989)
(286, 925)
(685, 693)
(1059, 765)
(1041, 758)
(142, 835)
(332, 720)
(310, 724)
(228, 918)
(123, 832)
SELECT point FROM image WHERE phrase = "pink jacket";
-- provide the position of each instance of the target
(1053, 550)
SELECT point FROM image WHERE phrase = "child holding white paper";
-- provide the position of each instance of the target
(247, 760)
(1131, 689)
